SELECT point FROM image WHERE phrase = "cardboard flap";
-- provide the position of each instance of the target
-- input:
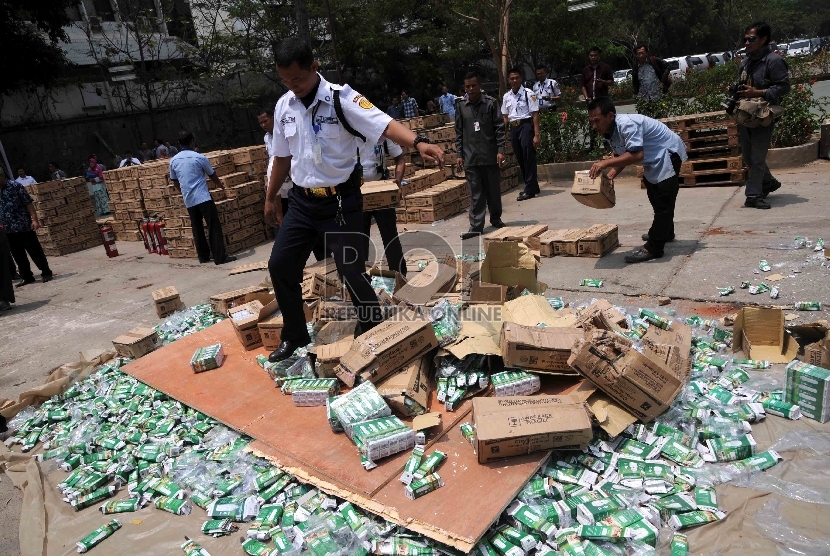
(612, 418)
(435, 278)
(477, 335)
(332, 352)
(530, 310)
(760, 333)
(509, 263)
(426, 421)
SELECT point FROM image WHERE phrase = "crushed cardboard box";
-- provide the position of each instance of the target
(539, 349)
(327, 356)
(412, 382)
(760, 333)
(435, 278)
(510, 263)
(814, 342)
(518, 425)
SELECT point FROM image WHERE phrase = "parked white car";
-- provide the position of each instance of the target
(698, 62)
(621, 76)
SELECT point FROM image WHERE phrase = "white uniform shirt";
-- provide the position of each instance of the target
(547, 88)
(134, 162)
(269, 148)
(27, 180)
(373, 156)
(295, 136)
(519, 105)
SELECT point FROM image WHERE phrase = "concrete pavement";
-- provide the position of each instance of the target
(93, 299)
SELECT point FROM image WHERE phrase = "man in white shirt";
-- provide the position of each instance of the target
(373, 158)
(24, 179)
(520, 109)
(265, 118)
(129, 160)
(161, 150)
(546, 89)
(318, 129)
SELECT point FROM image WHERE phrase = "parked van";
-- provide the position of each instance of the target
(677, 67)
(698, 62)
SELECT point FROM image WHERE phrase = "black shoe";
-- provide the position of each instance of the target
(776, 185)
(228, 259)
(525, 196)
(640, 256)
(644, 237)
(757, 203)
(16, 276)
(498, 224)
(470, 234)
(285, 351)
(5, 305)
(46, 278)
(24, 282)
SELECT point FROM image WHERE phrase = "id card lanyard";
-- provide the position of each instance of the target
(317, 149)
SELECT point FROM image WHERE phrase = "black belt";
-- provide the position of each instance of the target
(517, 123)
(342, 189)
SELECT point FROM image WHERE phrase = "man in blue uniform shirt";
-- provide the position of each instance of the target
(318, 129)
(638, 139)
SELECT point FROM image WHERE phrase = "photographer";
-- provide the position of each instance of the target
(763, 74)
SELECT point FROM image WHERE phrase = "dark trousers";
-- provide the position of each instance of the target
(6, 287)
(388, 228)
(22, 243)
(663, 196)
(308, 220)
(12, 265)
(755, 143)
(216, 244)
(522, 138)
(484, 193)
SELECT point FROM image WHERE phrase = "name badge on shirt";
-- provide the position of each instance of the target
(318, 153)
(477, 126)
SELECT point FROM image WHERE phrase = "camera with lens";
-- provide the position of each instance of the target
(733, 99)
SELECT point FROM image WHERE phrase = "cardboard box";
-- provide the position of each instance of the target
(435, 278)
(136, 343)
(389, 346)
(601, 314)
(542, 349)
(561, 243)
(380, 194)
(167, 308)
(412, 382)
(327, 356)
(221, 302)
(519, 425)
(814, 342)
(245, 319)
(644, 386)
(489, 294)
(595, 193)
(598, 240)
(317, 285)
(760, 333)
(270, 322)
(510, 263)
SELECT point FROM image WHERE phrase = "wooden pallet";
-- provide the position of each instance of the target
(691, 121)
(713, 177)
(713, 151)
(709, 165)
(709, 132)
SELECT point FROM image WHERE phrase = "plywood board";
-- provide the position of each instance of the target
(241, 395)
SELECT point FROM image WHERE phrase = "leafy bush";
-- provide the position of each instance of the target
(803, 114)
(566, 137)
(623, 91)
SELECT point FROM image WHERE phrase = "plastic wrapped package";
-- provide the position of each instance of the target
(446, 322)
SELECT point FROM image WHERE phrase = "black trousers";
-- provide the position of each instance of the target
(216, 244)
(6, 287)
(309, 220)
(22, 243)
(522, 138)
(755, 142)
(663, 196)
(485, 193)
(388, 228)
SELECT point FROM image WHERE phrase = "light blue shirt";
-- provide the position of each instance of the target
(448, 104)
(635, 132)
(190, 167)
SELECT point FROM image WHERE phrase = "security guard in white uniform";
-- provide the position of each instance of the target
(520, 109)
(546, 89)
(373, 158)
(318, 128)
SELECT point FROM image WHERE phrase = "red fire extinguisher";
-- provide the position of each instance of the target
(108, 238)
(149, 240)
(160, 239)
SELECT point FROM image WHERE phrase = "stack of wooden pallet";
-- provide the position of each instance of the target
(66, 216)
(714, 151)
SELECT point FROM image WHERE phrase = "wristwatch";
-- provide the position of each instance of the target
(420, 139)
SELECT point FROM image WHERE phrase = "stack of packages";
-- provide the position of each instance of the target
(438, 202)
(66, 216)
(126, 203)
(419, 181)
(596, 241)
(510, 175)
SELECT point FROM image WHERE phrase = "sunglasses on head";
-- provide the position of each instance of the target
(751, 38)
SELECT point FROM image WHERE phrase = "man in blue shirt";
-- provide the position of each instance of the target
(395, 109)
(638, 139)
(187, 171)
(447, 101)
